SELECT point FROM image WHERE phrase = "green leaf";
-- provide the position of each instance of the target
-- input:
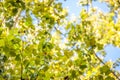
(99, 77)
(2, 43)
(12, 53)
(105, 69)
(18, 57)
(82, 67)
(109, 78)
(73, 74)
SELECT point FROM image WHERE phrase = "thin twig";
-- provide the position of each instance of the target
(16, 17)
(59, 31)
(87, 5)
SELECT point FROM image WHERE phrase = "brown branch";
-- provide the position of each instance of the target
(51, 1)
(16, 17)
(107, 66)
(59, 31)
(87, 5)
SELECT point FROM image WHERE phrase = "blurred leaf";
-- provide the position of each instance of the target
(109, 78)
(105, 69)
(82, 67)
(18, 57)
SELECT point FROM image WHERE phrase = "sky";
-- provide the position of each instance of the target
(73, 9)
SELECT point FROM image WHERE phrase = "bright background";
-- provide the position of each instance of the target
(112, 52)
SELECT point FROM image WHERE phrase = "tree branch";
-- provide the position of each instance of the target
(107, 66)
(16, 17)
(51, 1)
(59, 31)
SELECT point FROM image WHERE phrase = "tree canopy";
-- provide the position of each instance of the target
(39, 42)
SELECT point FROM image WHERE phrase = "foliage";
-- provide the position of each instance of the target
(32, 46)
